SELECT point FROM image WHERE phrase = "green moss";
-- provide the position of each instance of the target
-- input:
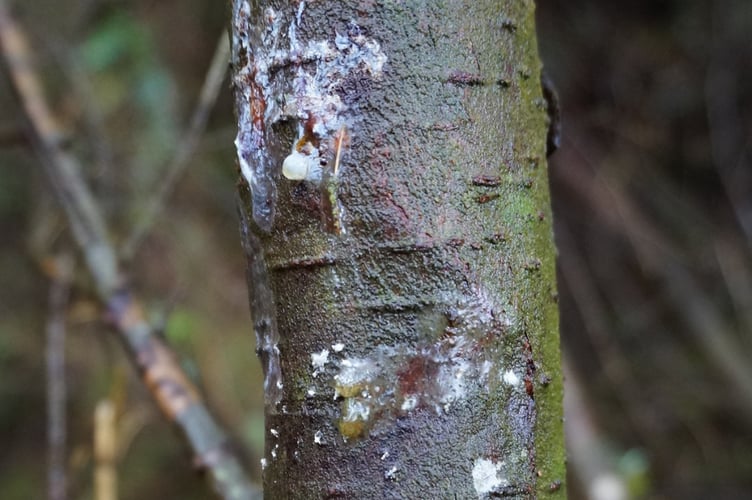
(549, 432)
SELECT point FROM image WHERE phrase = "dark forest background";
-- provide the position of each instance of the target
(652, 194)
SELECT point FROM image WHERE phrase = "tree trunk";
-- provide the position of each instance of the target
(401, 268)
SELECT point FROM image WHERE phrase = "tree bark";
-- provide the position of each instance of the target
(403, 292)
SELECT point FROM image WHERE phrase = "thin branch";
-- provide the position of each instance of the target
(176, 396)
(208, 97)
(56, 385)
(105, 451)
(589, 460)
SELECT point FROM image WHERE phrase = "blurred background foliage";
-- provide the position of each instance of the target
(653, 215)
(653, 221)
(124, 77)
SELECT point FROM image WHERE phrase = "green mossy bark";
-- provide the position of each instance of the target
(444, 264)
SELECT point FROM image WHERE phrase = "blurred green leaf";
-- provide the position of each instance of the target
(154, 93)
(634, 468)
(12, 192)
(182, 326)
(254, 431)
(118, 38)
(7, 350)
(20, 479)
(135, 93)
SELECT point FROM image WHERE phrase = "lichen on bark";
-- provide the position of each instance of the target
(409, 296)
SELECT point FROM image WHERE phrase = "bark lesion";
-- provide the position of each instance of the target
(461, 78)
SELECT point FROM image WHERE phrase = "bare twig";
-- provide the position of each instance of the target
(209, 92)
(176, 396)
(105, 451)
(56, 386)
(589, 460)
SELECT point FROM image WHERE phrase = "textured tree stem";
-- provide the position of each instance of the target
(408, 323)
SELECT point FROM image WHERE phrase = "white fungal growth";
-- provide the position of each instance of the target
(409, 403)
(264, 48)
(391, 473)
(354, 374)
(452, 385)
(318, 438)
(511, 378)
(486, 476)
(274, 432)
(485, 369)
(319, 360)
(355, 410)
(399, 379)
